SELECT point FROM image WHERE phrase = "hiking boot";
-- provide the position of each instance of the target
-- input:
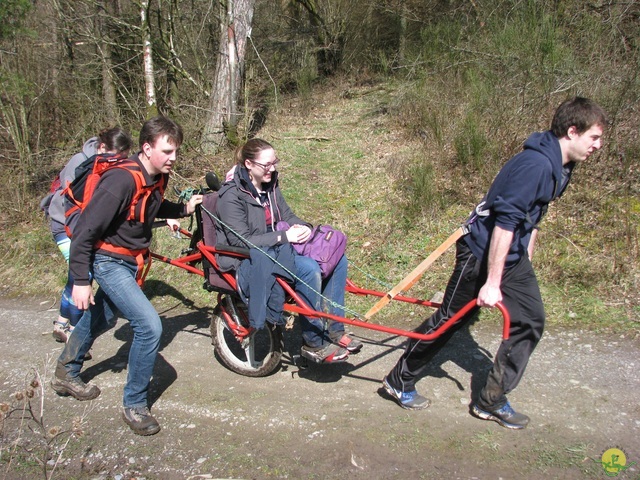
(505, 416)
(61, 331)
(347, 341)
(329, 353)
(75, 387)
(140, 421)
(410, 400)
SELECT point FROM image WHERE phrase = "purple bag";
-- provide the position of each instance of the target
(326, 245)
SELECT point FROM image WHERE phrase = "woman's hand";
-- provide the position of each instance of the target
(298, 234)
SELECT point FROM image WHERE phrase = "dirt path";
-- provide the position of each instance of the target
(581, 391)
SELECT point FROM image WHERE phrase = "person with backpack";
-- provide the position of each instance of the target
(113, 141)
(493, 261)
(250, 205)
(111, 245)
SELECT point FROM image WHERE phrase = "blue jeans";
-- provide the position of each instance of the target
(68, 309)
(316, 332)
(118, 293)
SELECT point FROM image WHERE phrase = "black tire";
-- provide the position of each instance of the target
(262, 354)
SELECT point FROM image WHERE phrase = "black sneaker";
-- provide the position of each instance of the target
(140, 421)
(75, 387)
(505, 416)
(409, 400)
(329, 353)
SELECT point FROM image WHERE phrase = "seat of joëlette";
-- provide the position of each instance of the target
(214, 280)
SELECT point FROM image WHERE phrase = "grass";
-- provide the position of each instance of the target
(573, 456)
(487, 440)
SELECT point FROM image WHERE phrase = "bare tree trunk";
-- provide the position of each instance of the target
(52, 30)
(229, 74)
(402, 41)
(174, 64)
(233, 73)
(13, 115)
(108, 86)
(329, 39)
(149, 79)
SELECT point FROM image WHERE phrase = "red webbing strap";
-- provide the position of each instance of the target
(138, 178)
(143, 192)
(140, 256)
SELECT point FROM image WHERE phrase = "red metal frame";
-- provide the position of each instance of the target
(188, 263)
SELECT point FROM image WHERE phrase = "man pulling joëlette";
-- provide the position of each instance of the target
(493, 261)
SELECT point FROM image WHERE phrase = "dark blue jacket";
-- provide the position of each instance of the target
(519, 196)
(257, 283)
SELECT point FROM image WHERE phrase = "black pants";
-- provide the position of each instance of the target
(521, 297)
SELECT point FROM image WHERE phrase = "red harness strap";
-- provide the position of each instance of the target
(141, 256)
(137, 209)
(140, 197)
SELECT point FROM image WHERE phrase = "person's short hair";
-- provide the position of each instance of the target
(578, 112)
(160, 126)
(251, 150)
(115, 139)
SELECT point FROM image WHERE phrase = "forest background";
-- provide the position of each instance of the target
(458, 85)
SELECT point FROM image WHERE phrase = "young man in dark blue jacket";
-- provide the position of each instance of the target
(493, 261)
